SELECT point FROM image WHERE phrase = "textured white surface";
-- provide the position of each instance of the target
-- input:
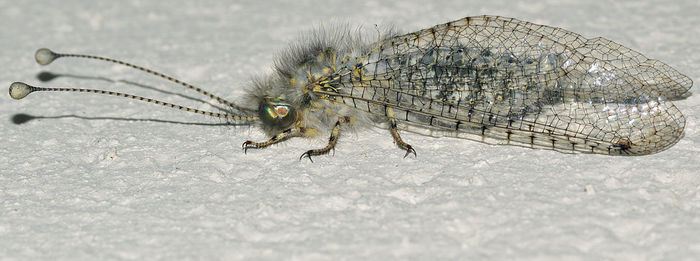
(89, 178)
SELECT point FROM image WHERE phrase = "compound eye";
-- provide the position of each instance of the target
(280, 115)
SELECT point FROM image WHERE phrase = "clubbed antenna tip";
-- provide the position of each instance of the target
(19, 90)
(45, 56)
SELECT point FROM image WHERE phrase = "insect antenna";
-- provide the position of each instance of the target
(43, 56)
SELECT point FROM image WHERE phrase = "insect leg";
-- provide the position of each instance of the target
(335, 133)
(288, 133)
(399, 142)
(395, 133)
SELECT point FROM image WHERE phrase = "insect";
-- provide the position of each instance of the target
(492, 79)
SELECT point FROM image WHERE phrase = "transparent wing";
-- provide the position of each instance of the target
(501, 80)
(653, 74)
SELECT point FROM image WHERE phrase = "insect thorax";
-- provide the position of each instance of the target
(305, 74)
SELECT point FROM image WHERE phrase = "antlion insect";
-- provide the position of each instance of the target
(487, 78)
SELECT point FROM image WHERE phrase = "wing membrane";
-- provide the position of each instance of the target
(501, 80)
